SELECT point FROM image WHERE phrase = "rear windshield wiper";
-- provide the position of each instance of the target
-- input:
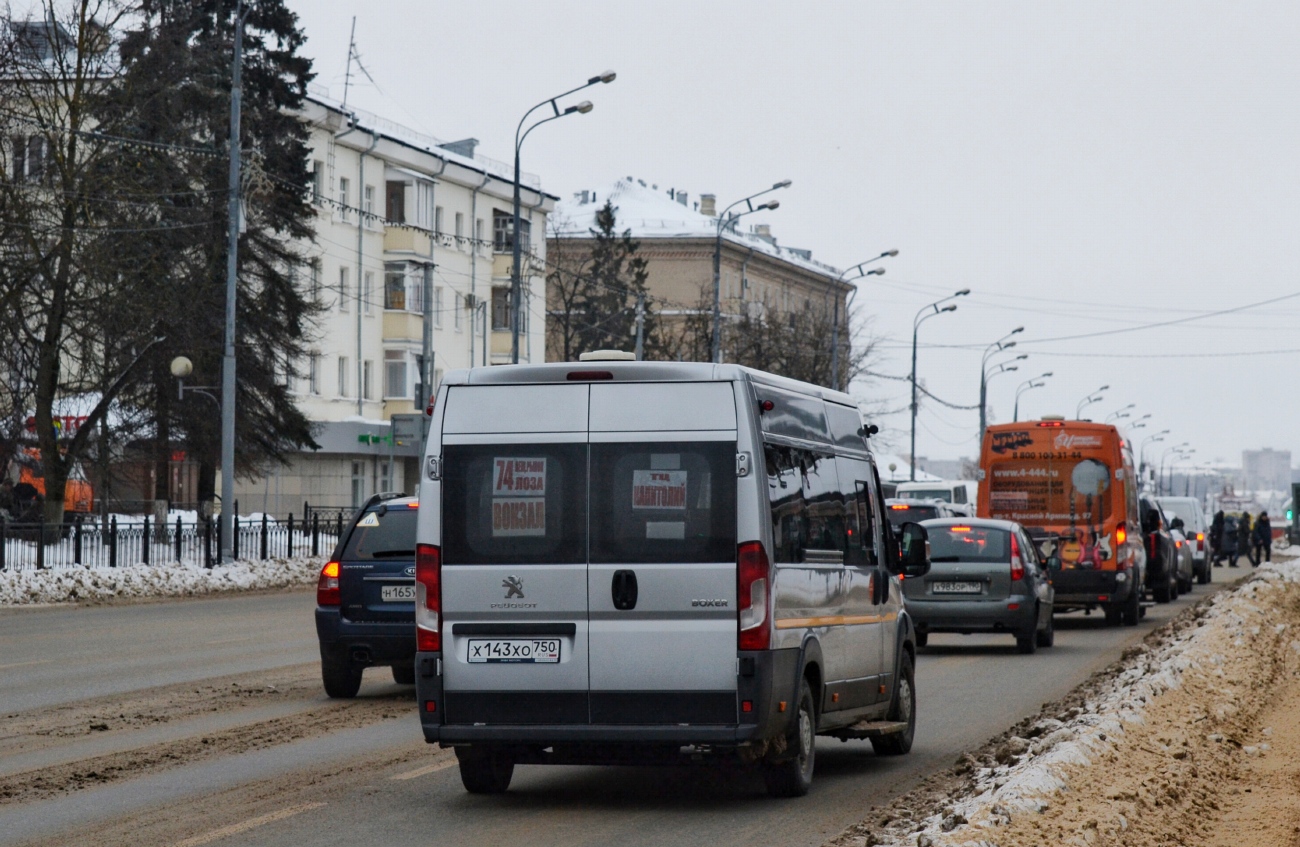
(391, 554)
(945, 558)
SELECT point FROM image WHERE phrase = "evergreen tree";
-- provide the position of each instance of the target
(174, 94)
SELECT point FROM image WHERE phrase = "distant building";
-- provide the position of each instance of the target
(1266, 470)
(677, 236)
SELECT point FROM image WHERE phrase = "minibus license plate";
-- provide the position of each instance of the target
(956, 588)
(514, 650)
(396, 593)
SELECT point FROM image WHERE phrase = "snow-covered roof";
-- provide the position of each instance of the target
(901, 469)
(371, 122)
(652, 213)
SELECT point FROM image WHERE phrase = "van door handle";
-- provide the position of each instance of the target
(623, 589)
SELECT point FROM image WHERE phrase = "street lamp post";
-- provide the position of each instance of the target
(1120, 413)
(1089, 400)
(835, 329)
(997, 346)
(1028, 385)
(1142, 450)
(724, 221)
(516, 284)
(921, 318)
(1160, 474)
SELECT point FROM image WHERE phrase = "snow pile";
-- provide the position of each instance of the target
(1220, 663)
(97, 585)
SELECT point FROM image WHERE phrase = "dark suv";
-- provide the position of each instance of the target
(1162, 560)
(365, 600)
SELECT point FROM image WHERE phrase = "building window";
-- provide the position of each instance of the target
(455, 315)
(395, 287)
(437, 307)
(502, 229)
(368, 204)
(478, 233)
(460, 229)
(367, 367)
(358, 484)
(396, 205)
(313, 373)
(395, 375)
(345, 290)
(368, 291)
(344, 197)
(313, 280)
(343, 376)
(501, 307)
(317, 180)
(385, 475)
(437, 220)
(423, 204)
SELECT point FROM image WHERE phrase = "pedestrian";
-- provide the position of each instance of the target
(6, 499)
(1263, 538)
(24, 494)
(1229, 548)
(1216, 539)
(1243, 537)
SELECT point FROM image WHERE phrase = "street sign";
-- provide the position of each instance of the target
(407, 428)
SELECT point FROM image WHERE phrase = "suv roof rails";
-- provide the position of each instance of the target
(381, 497)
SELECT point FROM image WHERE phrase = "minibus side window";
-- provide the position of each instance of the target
(808, 508)
(862, 546)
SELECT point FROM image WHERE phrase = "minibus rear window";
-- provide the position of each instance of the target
(663, 502)
(517, 504)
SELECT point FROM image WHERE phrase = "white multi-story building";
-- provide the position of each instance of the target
(412, 258)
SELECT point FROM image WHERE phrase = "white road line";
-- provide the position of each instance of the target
(427, 769)
(252, 823)
(25, 664)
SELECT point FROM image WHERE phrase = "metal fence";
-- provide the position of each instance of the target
(146, 542)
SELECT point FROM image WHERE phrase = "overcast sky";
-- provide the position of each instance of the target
(1081, 167)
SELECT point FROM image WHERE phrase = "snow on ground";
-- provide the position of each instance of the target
(102, 584)
(1145, 754)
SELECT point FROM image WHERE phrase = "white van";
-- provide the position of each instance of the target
(632, 562)
(961, 493)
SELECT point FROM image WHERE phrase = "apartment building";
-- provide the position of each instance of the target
(411, 266)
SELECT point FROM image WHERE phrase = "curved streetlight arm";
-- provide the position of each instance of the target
(556, 116)
(844, 277)
(723, 220)
(607, 76)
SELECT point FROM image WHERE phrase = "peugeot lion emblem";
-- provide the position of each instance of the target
(514, 587)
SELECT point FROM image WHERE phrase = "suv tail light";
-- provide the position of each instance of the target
(428, 598)
(327, 588)
(1200, 541)
(753, 595)
(1017, 563)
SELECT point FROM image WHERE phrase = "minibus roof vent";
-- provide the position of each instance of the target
(1052, 418)
(607, 356)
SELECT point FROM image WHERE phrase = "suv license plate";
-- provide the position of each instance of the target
(956, 587)
(396, 593)
(514, 650)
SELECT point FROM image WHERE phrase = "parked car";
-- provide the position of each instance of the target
(1162, 559)
(624, 562)
(365, 599)
(899, 510)
(985, 576)
(1196, 526)
(1185, 568)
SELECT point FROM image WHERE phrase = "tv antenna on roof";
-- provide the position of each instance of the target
(354, 56)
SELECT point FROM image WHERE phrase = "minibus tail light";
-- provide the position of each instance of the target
(753, 596)
(327, 588)
(1017, 563)
(428, 598)
(1121, 534)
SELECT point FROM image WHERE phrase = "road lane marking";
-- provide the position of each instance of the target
(427, 769)
(231, 640)
(25, 664)
(245, 826)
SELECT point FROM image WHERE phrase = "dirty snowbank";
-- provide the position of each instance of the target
(1146, 753)
(100, 585)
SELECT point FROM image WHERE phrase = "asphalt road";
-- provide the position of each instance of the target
(379, 780)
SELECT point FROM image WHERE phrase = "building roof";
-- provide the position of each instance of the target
(651, 213)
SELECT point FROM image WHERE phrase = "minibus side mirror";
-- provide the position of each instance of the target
(1053, 563)
(914, 550)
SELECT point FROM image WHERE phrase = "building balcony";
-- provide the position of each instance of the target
(403, 326)
(406, 240)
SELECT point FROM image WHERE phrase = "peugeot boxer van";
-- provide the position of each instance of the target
(632, 562)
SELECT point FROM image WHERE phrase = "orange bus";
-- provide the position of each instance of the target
(1072, 483)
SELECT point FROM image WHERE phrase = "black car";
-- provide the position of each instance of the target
(365, 600)
(1162, 558)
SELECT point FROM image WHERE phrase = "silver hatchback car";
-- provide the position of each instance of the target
(985, 576)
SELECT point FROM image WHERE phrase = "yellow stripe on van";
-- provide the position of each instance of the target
(834, 620)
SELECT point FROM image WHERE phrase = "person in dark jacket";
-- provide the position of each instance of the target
(1229, 548)
(1262, 536)
(1216, 539)
(1243, 537)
